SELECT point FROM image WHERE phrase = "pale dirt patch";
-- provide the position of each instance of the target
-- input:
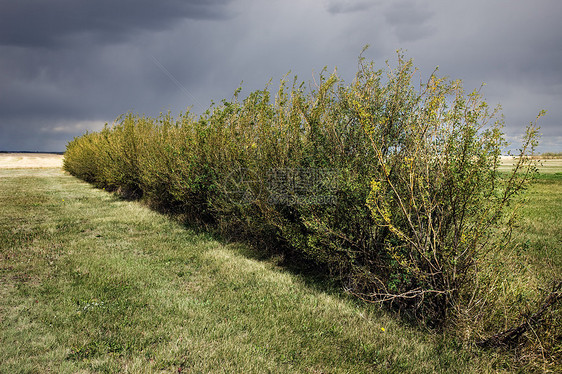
(30, 160)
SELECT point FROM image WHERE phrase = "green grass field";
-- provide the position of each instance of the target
(92, 283)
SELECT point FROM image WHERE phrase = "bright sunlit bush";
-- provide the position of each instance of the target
(392, 188)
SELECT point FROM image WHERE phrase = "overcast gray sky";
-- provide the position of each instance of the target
(69, 66)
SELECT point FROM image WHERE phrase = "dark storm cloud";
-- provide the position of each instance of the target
(515, 47)
(68, 62)
(73, 82)
(41, 23)
(410, 20)
(69, 66)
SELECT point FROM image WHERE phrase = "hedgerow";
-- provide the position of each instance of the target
(392, 188)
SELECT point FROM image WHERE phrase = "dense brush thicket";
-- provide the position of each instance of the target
(391, 187)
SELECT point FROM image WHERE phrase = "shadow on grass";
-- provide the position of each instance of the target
(315, 276)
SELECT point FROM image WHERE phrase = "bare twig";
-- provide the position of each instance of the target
(389, 297)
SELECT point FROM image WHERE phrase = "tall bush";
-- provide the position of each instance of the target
(437, 198)
(392, 188)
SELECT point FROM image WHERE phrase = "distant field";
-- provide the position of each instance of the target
(546, 166)
(30, 160)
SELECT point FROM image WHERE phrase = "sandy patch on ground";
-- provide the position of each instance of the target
(30, 160)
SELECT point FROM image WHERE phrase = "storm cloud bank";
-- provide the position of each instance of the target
(69, 66)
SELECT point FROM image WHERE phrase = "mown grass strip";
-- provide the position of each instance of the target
(92, 283)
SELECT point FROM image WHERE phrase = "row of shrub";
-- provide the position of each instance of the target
(390, 187)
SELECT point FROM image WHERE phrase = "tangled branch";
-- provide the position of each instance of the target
(511, 336)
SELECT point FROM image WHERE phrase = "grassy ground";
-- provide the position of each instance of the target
(534, 262)
(539, 230)
(91, 283)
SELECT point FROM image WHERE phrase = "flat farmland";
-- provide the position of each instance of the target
(546, 166)
(30, 160)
